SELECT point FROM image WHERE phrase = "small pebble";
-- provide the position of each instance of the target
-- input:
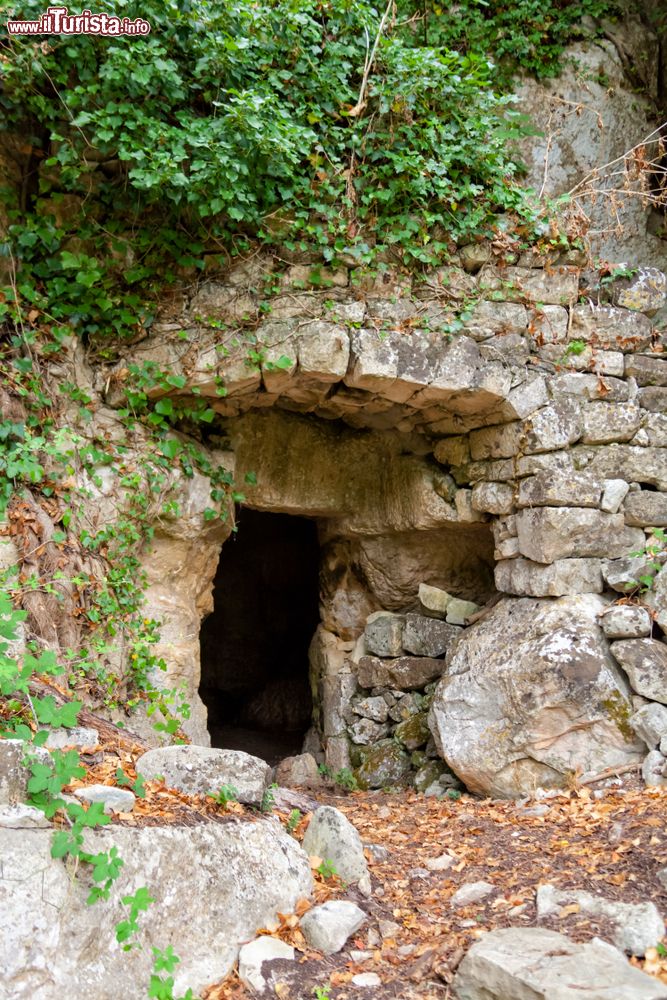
(440, 864)
(471, 892)
(388, 928)
(366, 979)
(360, 956)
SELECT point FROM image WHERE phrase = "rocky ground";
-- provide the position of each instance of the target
(446, 871)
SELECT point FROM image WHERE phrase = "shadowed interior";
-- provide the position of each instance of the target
(254, 645)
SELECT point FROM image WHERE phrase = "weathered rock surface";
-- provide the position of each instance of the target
(526, 578)
(200, 770)
(424, 636)
(529, 963)
(293, 772)
(532, 694)
(623, 621)
(327, 927)
(332, 837)
(384, 766)
(645, 663)
(383, 634)
(637, 926)
(650, 723)
(239, 875)
(404, 673)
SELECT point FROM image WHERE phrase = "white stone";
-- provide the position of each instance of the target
(441, 864)
(613, 495)
(458, 611)
(522, 703)
(200, 770)
(529, 963)
(366, 980)
(645, 663)
(331, 836)
(79, 738)
(472, 892)
(253, 956)
(22, 817)
(327, 927)
(114, 799)
(653, 769)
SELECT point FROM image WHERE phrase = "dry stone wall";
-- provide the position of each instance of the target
(414, 417)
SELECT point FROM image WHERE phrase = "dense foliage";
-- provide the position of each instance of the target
(338, 125)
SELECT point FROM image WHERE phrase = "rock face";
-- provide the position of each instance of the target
(528, 963)
(200, 770)
(531, 695)
(214, 885)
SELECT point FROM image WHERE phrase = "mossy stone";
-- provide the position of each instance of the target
(427, 774)
(386, 764)
(414, 732)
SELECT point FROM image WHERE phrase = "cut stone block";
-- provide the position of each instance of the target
(645, 370)
(424, 636)
(404, 673)
(323, 351)
(558, 286)
(645, 508)
(611, 328)
(550, 533)
(650, 724)
(613, 495)
(605, 422)
(645, 291)
(559, 489)
(493, 498)
(383, 632)
(524, 578)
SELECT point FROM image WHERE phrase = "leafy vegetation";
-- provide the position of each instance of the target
(338, 127)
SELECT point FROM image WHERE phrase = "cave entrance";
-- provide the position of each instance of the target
(254, 645)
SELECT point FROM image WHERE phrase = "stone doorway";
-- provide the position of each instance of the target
(254, 645)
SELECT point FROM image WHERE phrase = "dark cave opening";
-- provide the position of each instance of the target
(254, 645)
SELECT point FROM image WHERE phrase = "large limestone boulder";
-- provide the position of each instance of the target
(531, 696)
(529, 963)
(214, 885)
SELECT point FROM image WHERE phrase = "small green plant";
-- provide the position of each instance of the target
(138, 786)
(575, 348)
(322, 992)
(655, 552)
(225, 794)
(293, 820)
(324, 770)
(268, 799)
(137, 903)
(162, 987)
(346, 779)
(453, 794)
(327, 869)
